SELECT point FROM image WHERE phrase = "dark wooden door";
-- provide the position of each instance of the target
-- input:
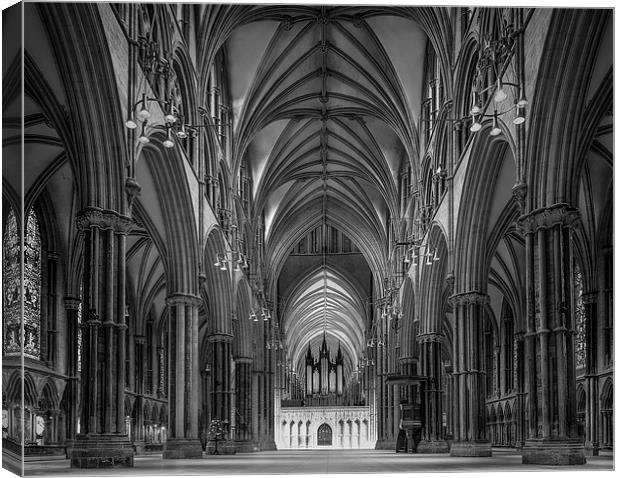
(324, 437)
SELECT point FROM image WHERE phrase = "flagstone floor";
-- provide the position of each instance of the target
(313, 462)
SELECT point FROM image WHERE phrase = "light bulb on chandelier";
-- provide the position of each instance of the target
(182, 134)
(496, 129)
(168, 143)
(143, 138)
(144, 114)
(500, 95)
(520, 118)
(475, 126)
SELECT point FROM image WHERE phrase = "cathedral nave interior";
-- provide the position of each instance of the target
(240, 228)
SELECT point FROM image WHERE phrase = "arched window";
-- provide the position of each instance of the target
(13, 287)
(324, 435)
(580, 320)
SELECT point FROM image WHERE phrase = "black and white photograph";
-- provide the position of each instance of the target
(307, 239)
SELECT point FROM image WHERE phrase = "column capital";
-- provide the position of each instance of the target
(103, 219)
(72, 303)
(408, 360)
(220, 338)
(139, 339)
(548, 217)
(472, 297)
(180, 298)
(429, 337)
(93, 318)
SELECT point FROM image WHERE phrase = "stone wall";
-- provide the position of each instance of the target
(298, 427)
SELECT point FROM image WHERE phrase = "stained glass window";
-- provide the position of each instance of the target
(580, 320)
(13, 287)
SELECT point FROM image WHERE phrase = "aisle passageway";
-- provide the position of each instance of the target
(337, 232)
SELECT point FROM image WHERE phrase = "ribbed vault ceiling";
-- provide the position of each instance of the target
(324, 107)
(325, 300)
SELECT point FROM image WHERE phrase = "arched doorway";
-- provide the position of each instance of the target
(324, 435)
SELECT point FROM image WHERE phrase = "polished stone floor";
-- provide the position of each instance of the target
(313, 462)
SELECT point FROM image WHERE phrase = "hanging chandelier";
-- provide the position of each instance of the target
(494, 56)
(157, 71)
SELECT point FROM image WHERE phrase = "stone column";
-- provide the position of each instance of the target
(256, 374)
(220, 376)
(385, 438)
(469, 376)
(552, 436)
(103, 440)
(52, 424)
(268, 442)
(138, 434)
(183, 440)
(433, 440)
(243, 404)
(72, 305)
(592, 404)
(52, 332)
(519, 410)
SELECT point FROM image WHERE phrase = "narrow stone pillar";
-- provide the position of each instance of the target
(183, 440)
(103, 440)
(592, 403)
(383, 401)
(52, 332)
(138, 435)
(469, 376)
(72, 305)
(552, 436)
(243, 404)
(256, 375)
(519, 411)
(52, 425)
(221, 345)
(268, 442)
(433, 440)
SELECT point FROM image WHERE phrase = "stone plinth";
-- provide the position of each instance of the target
(268, 445)
(244, 446)
(221, 447)
(385, 445)
(433, 446)
(176, 448)
(553, 452)
(591, 449)
(101, 451)
(470, 448)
